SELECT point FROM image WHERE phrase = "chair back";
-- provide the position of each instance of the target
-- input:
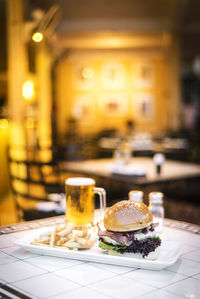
(34, 174)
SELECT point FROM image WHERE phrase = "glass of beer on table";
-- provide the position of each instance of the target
(80, 203)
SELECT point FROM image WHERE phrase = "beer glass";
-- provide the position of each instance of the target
(80, 200)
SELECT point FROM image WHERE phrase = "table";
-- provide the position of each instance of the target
(144, 143)
(171, 170)
(27, 275)
(178, 181)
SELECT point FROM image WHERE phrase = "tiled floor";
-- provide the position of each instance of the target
(41, 276)
(154, 278)
(19, 270)
(189, 288)
(5, 258)
(120, 285)
(185, 267)
(52, 264)
(46, 285)
(82, 292)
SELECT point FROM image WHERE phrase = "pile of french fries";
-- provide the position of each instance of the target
(68, 236)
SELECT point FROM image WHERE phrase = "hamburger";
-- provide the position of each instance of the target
(129, 231)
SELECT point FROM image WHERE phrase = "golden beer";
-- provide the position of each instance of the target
(80, 200)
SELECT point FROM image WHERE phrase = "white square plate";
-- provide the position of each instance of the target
(169, 253)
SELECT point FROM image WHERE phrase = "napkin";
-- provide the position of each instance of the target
(130, 169)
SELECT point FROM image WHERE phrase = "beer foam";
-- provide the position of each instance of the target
(80, 181)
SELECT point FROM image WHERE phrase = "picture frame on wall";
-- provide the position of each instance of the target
(113, 75)
(143, 75)
(83, 108)
(143, 105)
(113, 105)
(83, 76)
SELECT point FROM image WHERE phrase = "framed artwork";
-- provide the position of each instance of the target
(83, 76)
(143, 106)
(113, 76)
(113, 105)
(143, 75)
(84, 108)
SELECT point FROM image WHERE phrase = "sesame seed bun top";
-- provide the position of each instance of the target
(127, 215)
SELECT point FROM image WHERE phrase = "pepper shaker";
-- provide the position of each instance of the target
(136, 195)
(159, 160)
(157, 209)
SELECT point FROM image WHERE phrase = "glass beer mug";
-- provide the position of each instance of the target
(80, 200)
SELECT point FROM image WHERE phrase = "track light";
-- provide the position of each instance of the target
(37, 37)
(45, 23)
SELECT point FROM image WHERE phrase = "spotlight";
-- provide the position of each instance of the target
(28, 90)
(44, 24)
(37, 37)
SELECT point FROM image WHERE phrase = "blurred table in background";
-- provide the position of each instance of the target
(171, 170)
(145, 145)
(178, 181)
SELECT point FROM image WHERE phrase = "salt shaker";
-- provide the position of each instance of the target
(127, 152)
(157, 209)
(118, 156)
(159, 160)
(136, 195)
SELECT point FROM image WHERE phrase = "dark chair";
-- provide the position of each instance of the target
(35, 181)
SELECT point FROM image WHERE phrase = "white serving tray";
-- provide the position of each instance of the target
(169, 253)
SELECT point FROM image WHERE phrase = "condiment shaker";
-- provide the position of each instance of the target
(136, 195)
(157, 209)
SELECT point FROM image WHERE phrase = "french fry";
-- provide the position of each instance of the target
(45, 241)
(52, 238)
(66, 231)
(78, 233)
(68, 236)
(71, 244)
(60, 227)
(60, 243)
(45, 234)
(81, 241)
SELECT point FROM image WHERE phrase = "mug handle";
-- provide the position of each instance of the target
(102, 197)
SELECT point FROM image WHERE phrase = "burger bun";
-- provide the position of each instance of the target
(127, 215)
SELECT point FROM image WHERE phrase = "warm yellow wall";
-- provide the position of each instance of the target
(165, 91)
(44, 94)
(4, 184)
(17, 59)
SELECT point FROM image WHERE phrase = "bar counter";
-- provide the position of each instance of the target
(27, 275)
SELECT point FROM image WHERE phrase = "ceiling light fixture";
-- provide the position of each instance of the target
(28, 90)
(37, 37)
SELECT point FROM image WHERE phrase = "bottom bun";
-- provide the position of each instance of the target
(151, 256)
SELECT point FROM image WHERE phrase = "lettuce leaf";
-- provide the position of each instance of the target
(105, 246)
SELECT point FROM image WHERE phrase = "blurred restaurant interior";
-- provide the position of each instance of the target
(105, 89)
